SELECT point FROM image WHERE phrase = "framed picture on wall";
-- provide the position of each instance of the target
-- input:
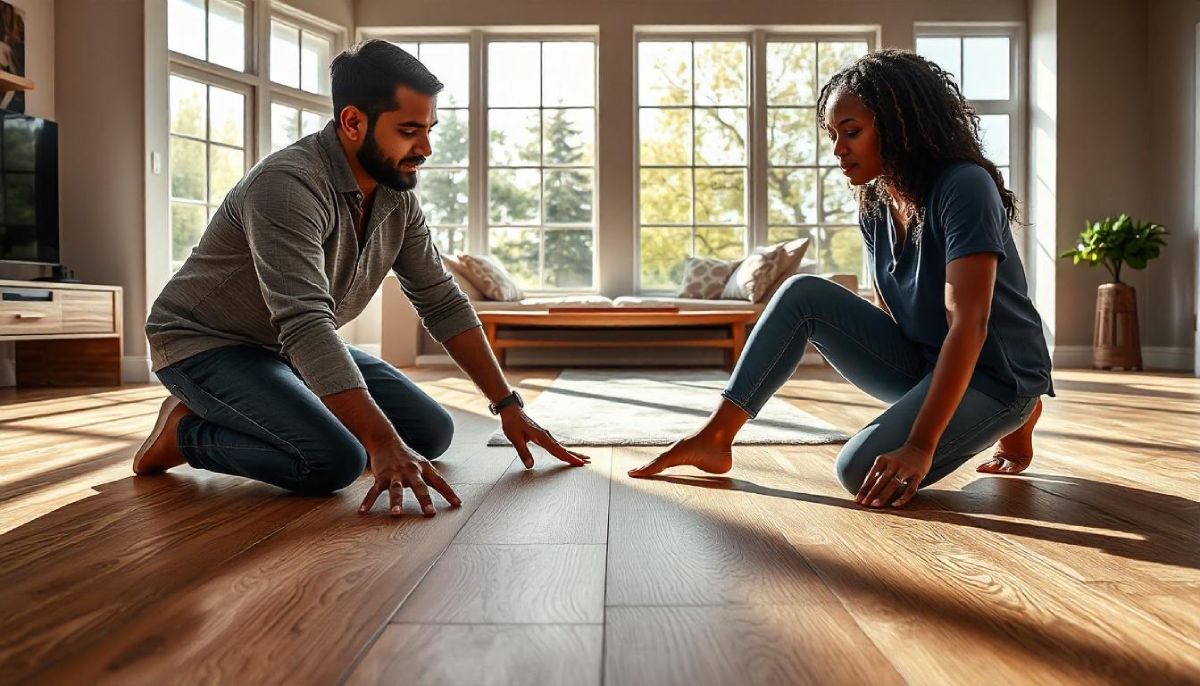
(12, 54)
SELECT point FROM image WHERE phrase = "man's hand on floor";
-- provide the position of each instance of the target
(521, 430)
(395, 468)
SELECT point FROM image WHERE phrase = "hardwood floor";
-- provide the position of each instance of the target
(1084, 570)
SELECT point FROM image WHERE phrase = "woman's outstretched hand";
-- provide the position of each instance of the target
(896, 475)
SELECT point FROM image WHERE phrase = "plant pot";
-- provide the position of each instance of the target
(1116, 342)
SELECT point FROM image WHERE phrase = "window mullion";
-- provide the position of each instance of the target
(756, 233)
(477, 158)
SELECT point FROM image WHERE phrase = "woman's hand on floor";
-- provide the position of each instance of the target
(895, 475)
(520, 430)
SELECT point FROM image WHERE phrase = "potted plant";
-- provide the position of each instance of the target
(1114, 243)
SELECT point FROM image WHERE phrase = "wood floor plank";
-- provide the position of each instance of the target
(554, 503)
(510, 584)
(739, 644)
(300, 605)
(484, 655)
(914, 583)
(72, 578)
(672, 544)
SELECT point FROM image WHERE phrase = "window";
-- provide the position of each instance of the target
(696, 152)
(692, 150)
(982, 62)
(512, 172)
(290, 124)
(299, 57)
(541, 159)
(443, 186)
(208, 156)
(221, 38)
(215, 95)
(807, 194)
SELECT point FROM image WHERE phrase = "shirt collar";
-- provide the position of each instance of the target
(343, 176)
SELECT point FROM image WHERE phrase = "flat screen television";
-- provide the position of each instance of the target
(28, 189)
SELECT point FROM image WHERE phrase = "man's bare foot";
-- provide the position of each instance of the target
(1015, 452)
(160, 451)
(699, 451)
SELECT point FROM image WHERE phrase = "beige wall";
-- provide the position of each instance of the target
(99, 103)
(1125, 144)
(1101, 149)
(1168, 130)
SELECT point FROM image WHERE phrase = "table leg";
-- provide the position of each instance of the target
(737, 334)
(489, 330)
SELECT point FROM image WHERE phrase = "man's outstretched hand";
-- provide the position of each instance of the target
(395, 468)
(521, 430)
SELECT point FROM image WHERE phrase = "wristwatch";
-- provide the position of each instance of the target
(511, 399)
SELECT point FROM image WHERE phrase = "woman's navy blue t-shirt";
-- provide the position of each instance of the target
(964, 215)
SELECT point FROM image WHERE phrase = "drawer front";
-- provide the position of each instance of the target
(17, 318)
(87, 312)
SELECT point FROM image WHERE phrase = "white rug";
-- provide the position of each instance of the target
(604, 407)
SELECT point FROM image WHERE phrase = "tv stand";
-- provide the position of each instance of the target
(65, 334)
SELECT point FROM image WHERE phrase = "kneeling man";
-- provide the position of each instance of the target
(245, 334)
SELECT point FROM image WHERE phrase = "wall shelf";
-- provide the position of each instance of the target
(12, 82)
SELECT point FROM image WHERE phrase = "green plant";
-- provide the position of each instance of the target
(1114, 243)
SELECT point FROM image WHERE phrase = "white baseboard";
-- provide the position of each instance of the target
(1153, 357)
(135, 369)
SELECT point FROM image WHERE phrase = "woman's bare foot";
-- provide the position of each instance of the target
(160, 451)
(700, 451)
(1015, 452)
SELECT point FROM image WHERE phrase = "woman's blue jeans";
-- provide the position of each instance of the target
(866, 347)
(255, 417)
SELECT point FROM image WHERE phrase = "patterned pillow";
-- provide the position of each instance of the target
(756, 274)
(486, 274)
(705, 278)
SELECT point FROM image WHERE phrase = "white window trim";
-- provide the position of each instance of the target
(757, 213)
(1014, 107)
(477, 110)
(255, 82)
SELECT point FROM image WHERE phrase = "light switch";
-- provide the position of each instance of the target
(156, 162)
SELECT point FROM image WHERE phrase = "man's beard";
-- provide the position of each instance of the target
(381, 169)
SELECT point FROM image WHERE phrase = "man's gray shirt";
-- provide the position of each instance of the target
(280, 267)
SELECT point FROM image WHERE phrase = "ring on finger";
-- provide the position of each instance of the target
(898, 480)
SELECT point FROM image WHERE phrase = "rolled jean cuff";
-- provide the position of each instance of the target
(743, 406)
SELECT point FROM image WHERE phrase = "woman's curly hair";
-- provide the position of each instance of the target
(923, 123)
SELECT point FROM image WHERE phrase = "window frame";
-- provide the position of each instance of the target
(254, 82)
(478, 161)
(757, 162)
(1014, 106)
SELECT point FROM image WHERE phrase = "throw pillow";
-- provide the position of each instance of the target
(704, 278)
(755, 275)
(490, 277)
(458, 272)
(793, 263)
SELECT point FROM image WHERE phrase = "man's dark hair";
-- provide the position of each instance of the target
(923, 122)
(366, 75)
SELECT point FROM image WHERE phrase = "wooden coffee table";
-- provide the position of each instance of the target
(604, 318)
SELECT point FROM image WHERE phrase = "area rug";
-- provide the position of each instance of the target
(605, 407)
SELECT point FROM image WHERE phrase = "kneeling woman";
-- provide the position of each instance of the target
(957, 350)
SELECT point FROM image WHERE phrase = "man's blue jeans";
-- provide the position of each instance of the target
(866, 347)
(255, 417)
